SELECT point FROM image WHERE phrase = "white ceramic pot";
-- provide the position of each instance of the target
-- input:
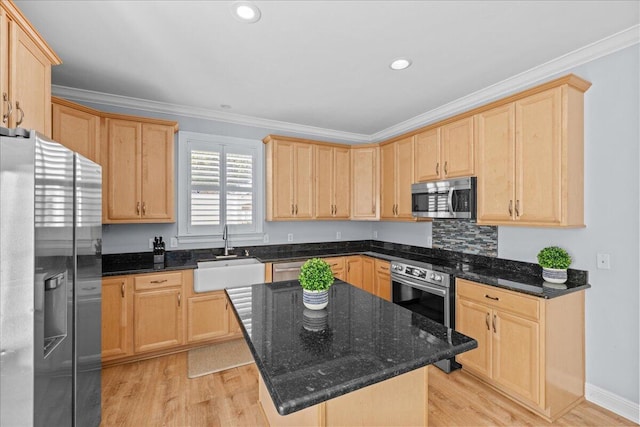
(554, 275)
(315, 300)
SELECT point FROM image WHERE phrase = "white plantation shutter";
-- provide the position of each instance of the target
(218, 185)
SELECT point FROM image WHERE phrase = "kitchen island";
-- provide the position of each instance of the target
(360, 361)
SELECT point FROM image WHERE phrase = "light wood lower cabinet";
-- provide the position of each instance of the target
(146, 315)
(368, 274)
(531, 349)
(382, 286)
(354, 270)
(337, 267)
(117, 312)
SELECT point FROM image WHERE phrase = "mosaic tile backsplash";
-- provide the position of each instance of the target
(465, 236)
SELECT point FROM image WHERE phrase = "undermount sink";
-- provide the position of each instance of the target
(227, 273)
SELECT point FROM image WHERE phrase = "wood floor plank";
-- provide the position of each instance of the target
(157, 392)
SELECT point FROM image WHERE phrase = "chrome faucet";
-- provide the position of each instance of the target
(225, 237)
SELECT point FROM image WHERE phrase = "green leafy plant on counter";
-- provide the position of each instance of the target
(315, 275)
(554, 257)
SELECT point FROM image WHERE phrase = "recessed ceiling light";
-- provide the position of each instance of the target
(245, 11)
(225, 106)
(400, 64)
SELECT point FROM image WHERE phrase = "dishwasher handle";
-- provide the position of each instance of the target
(286, 270)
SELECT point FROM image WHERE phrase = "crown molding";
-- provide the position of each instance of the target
(606, 46)
(101, 98)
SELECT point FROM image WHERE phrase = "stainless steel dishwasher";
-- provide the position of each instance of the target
(286, 270)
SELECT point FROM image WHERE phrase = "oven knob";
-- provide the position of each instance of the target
(437, 277)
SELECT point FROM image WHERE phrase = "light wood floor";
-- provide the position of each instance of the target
(157, 392)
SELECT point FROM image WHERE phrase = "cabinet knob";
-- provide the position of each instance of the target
(517, 207)
(144, 208)
(494, 323)
(122, 289)
(296, 209)
(487, 321)
(510, 207)
(291, 208)
(138, 208)
(179, 298)
(445, 168)
(373, 208)
(438, 168)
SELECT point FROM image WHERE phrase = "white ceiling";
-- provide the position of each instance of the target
(315, 63)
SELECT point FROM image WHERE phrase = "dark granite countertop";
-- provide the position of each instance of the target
(507, 274)
(358, 340)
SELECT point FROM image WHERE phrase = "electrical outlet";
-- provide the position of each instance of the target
(604, 261)
(429, 241)
(338, 235)
(265, 238)
(375, 234)
(290, 237)
(174, 242)
(150, 243)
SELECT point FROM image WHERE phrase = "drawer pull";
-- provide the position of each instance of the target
(384, 268)
(487, 320)
(159, 281)
(493, 298)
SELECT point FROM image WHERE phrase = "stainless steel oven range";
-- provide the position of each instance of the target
(419, 288)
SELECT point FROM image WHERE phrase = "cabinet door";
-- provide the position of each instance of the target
(474, 320)
(354, 270)
(342, 182)
(324, 184)
(538, 158)
(158, 319)
(427, 155)
(496, 164)
(207, 317)
(364, 174)
(387, 181)
(404, 177)
(283, 175)
(457, 148)
(383, 279)
(516, 355)
(234, 326)
(117, 317)
(368, 274)
(77, 130)
(303, 181)
(30, 80)
(157, 173)
(123, 192)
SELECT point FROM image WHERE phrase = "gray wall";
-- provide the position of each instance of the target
(612, 191)
(611, 215)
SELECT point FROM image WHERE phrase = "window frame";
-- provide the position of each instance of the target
(188, 141)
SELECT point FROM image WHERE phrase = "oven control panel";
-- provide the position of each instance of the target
(419, 272)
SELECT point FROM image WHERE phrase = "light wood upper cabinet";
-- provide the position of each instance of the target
(117, 317)
(520, 349)
(332, 182)
(77, 128)
(396, 177)
(25, 73)
(365, 174)
(138, 172)
(531, 160)
(445, 152)
(290, 184)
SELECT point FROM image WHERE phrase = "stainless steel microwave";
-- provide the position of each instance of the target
(452, 198)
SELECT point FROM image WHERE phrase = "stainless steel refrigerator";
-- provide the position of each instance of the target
(50, 283)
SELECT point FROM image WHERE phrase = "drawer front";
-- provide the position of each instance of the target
(156, 281)
(502, 299)
(336, 263)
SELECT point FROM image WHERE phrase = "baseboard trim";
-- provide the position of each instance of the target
(613, 402)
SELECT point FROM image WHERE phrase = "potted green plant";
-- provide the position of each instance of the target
(315, 278)
(554, 262)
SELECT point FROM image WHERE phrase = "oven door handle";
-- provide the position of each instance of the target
(421, 286)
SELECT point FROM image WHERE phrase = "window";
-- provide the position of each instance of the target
(220, 182)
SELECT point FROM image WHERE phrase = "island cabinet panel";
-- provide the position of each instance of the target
(365, 192)
(25, 73)
(77, 128)
(117, 315)
(396, 177)
(531, 160)
(354, 270)
(382, 283)
(522, 350)
(332, 182)
(138, 172)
